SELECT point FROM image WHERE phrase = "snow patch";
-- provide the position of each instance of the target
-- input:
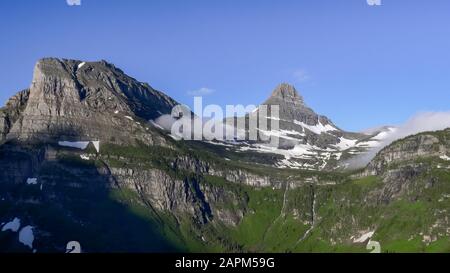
(84, 157)
(175, 137)
(299, 150)
(80, 144)
(74, 144)
(14, 225)
(220, 143)
(364, 237)
(81, 65)
(31, 181)
(345, 143)
(96, 145)
(317, 129)
(281, 133)
(445, 157)
(130, 118)
(26, 236)
(286, 163)
(156, 125)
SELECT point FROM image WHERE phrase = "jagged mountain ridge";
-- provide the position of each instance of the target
(296, 116)
(12, 112)
(306, 140)
(89, 100)
(293, 108)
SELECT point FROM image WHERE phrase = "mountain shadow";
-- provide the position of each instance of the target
(72, 199)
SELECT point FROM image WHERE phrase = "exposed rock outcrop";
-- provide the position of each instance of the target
(11, 113)
(402, 164)
(410, 148)
(71, 99)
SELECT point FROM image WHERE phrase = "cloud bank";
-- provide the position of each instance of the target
(206, 128)
(421, 122)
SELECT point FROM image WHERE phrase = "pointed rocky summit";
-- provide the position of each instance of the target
(287, 94)
(71, 99)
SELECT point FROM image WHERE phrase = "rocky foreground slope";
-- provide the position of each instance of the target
(80, 162)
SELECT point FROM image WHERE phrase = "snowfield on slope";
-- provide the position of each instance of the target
(364, 237)
(26, 236)
(31, 181)
(14, 225)
(81, 65)
(317, 129)
(80, 144)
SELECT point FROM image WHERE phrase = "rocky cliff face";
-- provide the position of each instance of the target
(80, 101)
(77, 100)
(12, 112)
(293, 109)
(182, 196)
(234, 175)
(410, 148)
(4, 126)
(408, 160)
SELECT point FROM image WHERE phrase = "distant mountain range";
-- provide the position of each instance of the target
(84, 159)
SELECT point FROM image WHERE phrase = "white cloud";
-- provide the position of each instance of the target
(204, 128)
(204, 91)
(421, 122)
(301, 75)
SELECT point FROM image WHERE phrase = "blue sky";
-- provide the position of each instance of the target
(360, 65)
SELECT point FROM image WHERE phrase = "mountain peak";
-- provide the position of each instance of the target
(84, 99)
(68, 67)
(287, 93)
